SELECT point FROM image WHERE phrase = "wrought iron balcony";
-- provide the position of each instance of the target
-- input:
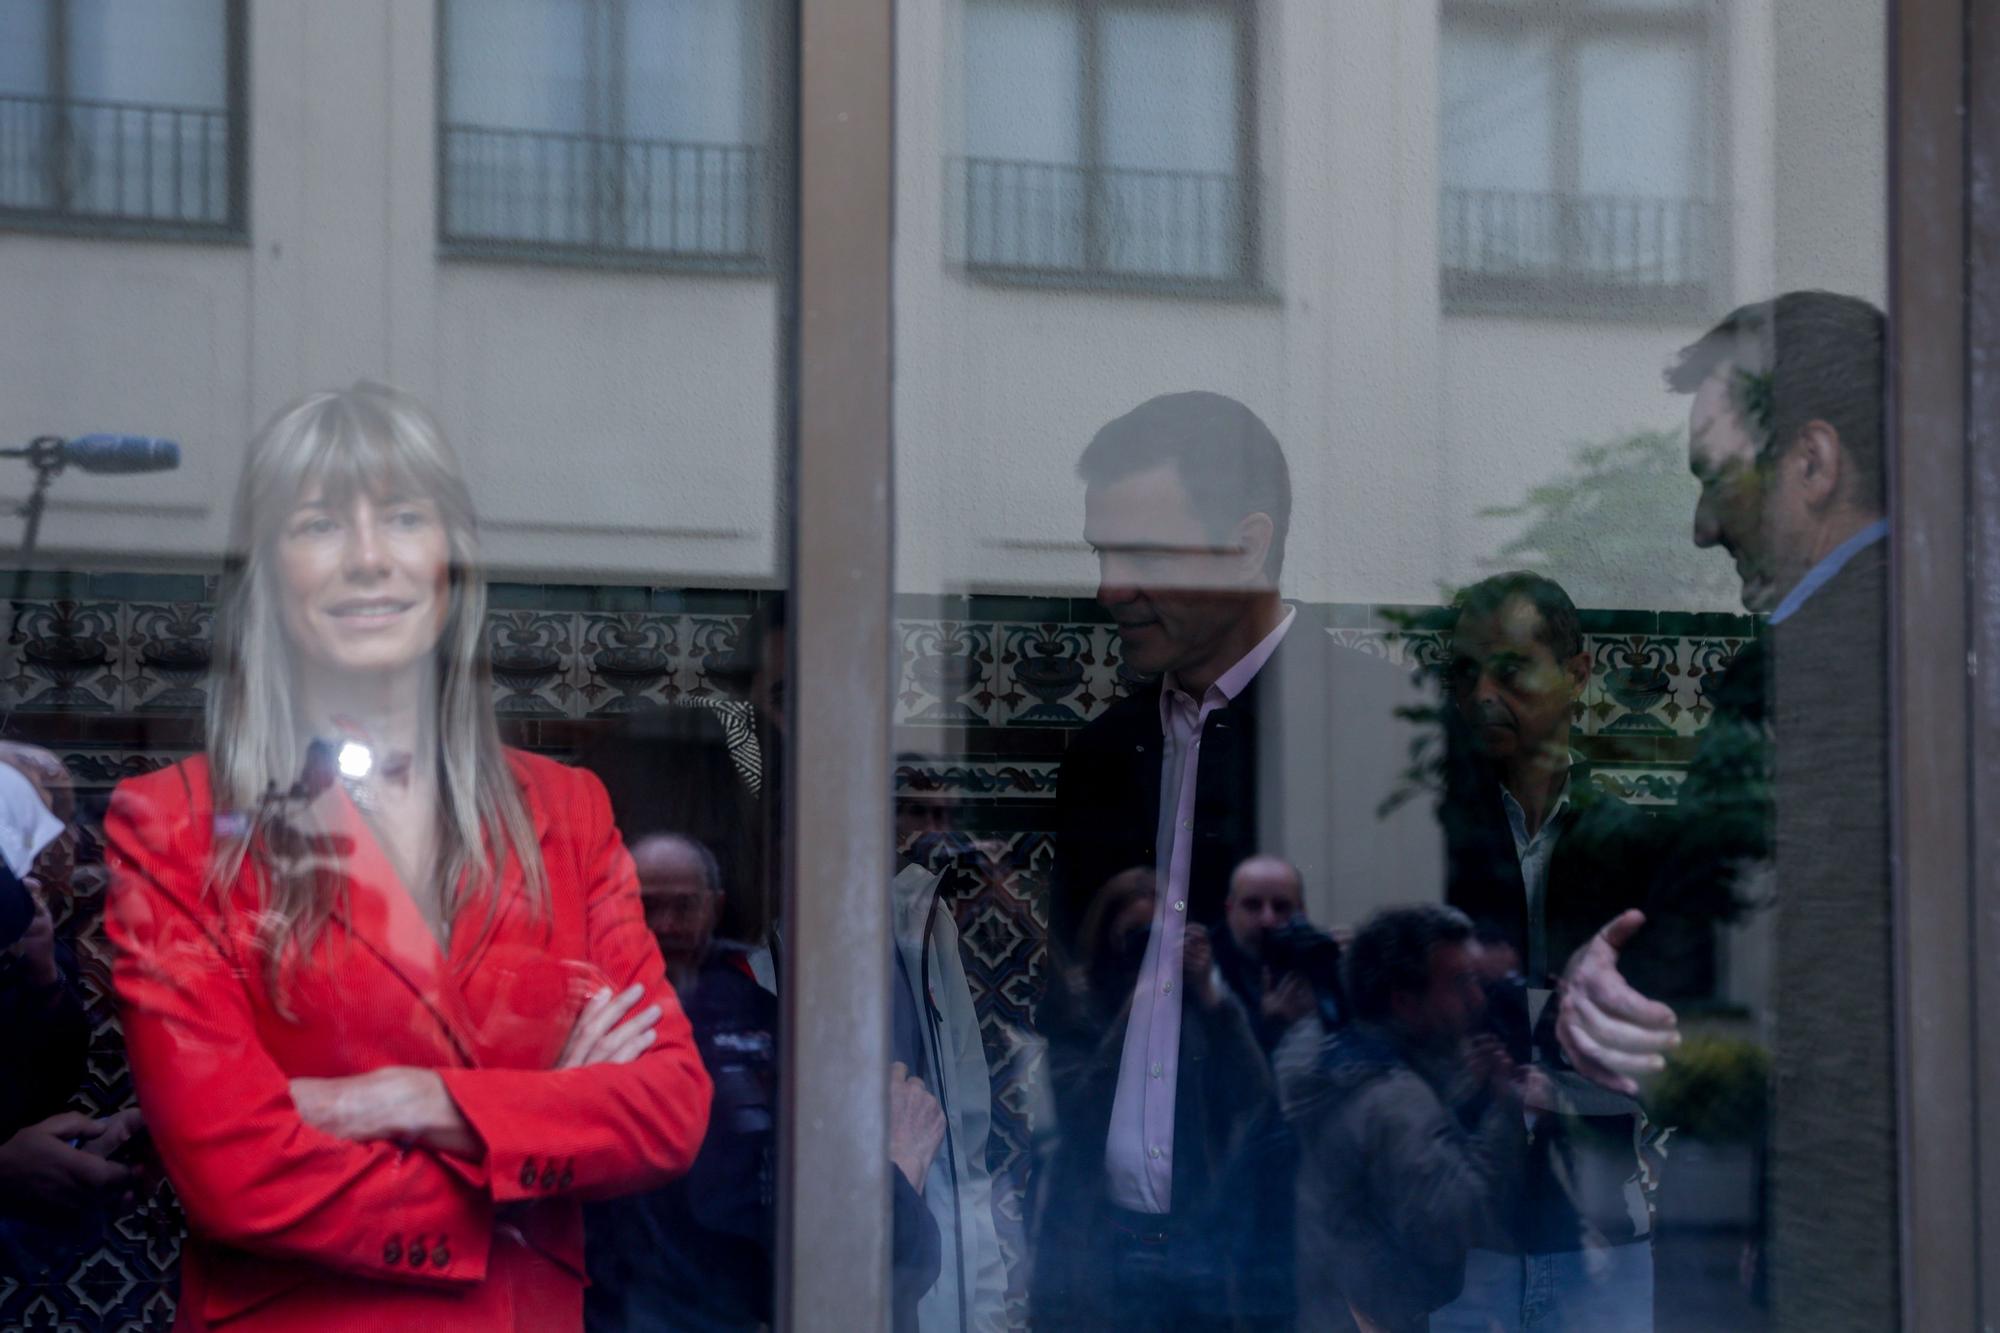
(1123, 226)
(68, 161)
(535, 192)
(1510, 249)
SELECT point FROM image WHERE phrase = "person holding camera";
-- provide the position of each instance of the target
(1412, 1124)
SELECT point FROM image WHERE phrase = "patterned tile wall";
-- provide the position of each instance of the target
(110, 673)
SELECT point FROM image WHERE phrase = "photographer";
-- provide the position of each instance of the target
(1411, 1122)
(1278, 964)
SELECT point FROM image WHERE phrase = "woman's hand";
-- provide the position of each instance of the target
(603, 1035)
(407, 1106)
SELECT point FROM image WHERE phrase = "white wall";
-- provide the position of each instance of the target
(617, 425)
(622, 425)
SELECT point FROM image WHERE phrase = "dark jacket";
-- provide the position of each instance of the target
(1230, 1152)
(1833, 1170)
(696, 1254)
(1297, 766)
(1403, 1173)
(1604, 863)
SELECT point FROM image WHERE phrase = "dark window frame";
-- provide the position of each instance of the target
(1568, 290)
(1095, 270)
(610, 244)
(61, 155)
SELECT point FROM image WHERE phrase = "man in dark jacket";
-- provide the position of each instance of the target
(1786, 438)
(1412, 1125)
(1247, 730)
(1541, 857)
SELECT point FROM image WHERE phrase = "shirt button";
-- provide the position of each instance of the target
(1153, 1153)
(417, 1255)
(563, 1182)
(1187, 825)
(548, 1177)
(528, 1174)
(440, 1256)
(392, 1253)
(1181, 906)
(1167, 989)
(1158, 1069)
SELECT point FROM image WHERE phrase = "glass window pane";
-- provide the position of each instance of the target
(431, 688)
(1292, 690)
(171, 53)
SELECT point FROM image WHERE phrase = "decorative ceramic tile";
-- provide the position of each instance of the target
(946, 673)
(169, 651)
(977, 779)
(1042, 673)
(533, 656)
(1656, 785)
(627, 661)
(64, 656)
(1635, 675)
(710, 665)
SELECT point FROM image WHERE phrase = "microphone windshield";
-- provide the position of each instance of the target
(122, 453)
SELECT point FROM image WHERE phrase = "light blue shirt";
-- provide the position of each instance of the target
(1534, 855)
(1835, 561)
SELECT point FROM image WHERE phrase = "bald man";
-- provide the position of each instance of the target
(1265, 892)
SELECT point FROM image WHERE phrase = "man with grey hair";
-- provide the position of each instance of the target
(1785, 436)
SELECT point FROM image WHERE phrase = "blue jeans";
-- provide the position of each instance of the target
(1608, 1290)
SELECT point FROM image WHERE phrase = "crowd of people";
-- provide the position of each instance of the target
(428, 1031)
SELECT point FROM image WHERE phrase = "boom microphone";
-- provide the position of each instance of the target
(121, 453)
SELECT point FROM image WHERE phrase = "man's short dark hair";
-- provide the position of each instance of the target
(1801, 357)
(1391, 955)
(1224, 454)
(1560, 631)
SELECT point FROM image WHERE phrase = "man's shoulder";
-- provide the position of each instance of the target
(1136, 714)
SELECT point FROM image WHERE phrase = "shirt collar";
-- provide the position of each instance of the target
(1836, 559)
(1235, 680)
(1517, 817)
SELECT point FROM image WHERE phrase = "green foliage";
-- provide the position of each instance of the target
(1626, 505)
(1716, 1089)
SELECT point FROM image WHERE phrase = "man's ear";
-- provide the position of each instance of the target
(1254, 535)
(1577, 669)
(1819, 464)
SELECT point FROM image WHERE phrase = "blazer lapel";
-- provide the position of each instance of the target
(381, 915)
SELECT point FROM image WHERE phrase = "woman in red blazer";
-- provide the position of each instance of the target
(392, 1008)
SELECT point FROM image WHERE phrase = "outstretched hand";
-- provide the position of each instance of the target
(1609, 1031)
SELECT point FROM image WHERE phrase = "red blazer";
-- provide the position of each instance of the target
(294, 1229)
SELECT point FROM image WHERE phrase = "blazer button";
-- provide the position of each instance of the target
(440, 1256)
(564, 1182)
(392, 1252)
(528, 1174)
(548, 1177)
(417, 1255)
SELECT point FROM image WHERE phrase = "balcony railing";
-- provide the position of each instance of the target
(528, 191)
(65, 160)
(1516, 248)
(1054, 220)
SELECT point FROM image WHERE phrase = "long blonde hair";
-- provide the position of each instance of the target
(364, 440)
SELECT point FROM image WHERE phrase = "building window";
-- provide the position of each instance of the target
(607, 128)
(122, 117)
(1575, 156)
(1110, 141)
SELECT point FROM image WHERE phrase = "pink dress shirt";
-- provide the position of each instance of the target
(1139, 1151)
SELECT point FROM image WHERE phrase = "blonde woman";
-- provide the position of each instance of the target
(392, 1007)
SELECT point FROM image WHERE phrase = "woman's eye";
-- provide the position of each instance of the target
(410, 518)
(317, 526)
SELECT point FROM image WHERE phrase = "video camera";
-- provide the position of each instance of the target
(1299, 947)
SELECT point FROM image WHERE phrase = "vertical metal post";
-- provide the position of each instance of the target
(1931, 673)
(834, 1246)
